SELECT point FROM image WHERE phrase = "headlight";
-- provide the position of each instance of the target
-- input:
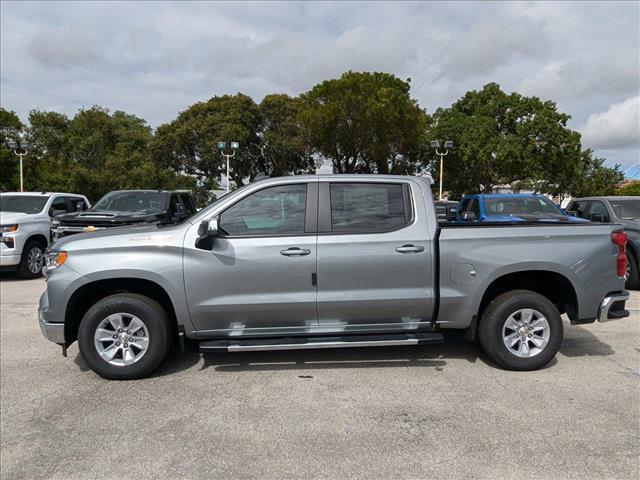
(8, 228)
(54, 259)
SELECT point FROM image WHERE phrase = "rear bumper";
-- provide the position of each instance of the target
(612, 307)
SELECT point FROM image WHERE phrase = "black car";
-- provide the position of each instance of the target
(127, 207)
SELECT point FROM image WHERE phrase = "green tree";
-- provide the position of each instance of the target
(283, 147)
(592, 177)
(11, 129)
(505, 138)
(630, 189)
(93, 153)
(365, 123)
(189, 144)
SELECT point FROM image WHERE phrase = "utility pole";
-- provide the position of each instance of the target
(222, 146)
(20, 149)
(436, 145)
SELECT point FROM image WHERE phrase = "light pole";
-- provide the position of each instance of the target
(234, 146)
(447, 145)
(20, 149)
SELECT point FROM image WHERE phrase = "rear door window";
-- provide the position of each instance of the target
(369, 207)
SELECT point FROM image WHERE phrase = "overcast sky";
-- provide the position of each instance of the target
(156, 59)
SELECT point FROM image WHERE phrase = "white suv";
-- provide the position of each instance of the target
(25, 226)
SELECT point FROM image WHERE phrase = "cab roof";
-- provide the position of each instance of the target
(41, 194)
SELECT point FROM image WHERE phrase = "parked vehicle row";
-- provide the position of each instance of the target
(30, 221)
(621, 210)
(326, 262)
(512, 207)
(522, 208)
(25, 221)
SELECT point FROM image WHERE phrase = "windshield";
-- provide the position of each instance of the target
(132, 201)
(515, 206)
(22, 203)
(627, 209)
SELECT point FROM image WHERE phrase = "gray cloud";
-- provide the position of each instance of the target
(63, 48)
(156, 58)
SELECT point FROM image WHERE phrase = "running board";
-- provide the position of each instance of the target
(307, 343)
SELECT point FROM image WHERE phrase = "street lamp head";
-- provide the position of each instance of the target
(448, 144)
(235, 145)
(222, 145)
(435, 144)
(11, 144)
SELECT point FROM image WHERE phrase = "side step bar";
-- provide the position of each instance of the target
(307, 343)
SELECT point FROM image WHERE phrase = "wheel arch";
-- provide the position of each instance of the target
(554, 286)
(38, 237)
(90, 293)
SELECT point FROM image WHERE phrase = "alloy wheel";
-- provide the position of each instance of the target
(526, 333)
(121, 339)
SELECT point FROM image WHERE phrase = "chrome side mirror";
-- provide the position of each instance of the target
(469, 216)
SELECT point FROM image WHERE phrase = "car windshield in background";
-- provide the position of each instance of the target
(515, 206)
(22, 203)
(131, 201)
(627, 209)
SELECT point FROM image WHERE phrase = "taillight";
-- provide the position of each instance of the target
(620, 239)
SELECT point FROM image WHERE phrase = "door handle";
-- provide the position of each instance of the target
(409, 249)
(295, 252)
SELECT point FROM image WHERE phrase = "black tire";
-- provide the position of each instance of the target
(633, 281)
(23, 267)
(492, 323)
(149, 312)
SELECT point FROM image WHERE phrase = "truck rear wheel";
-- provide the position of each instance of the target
(520, 330)
(124, 336)
(633, 272)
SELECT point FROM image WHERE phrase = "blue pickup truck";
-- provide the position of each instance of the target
(511, 207)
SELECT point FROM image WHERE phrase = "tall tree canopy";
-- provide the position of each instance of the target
(510, 139)
(93, 153)
(284, 150)
(189, 144)
(364, 123)
(10, 130)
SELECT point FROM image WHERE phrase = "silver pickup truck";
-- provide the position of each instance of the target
(324, 262)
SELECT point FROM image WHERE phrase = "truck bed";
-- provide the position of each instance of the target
(472, 257)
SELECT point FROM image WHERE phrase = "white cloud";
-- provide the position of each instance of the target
(616, 128)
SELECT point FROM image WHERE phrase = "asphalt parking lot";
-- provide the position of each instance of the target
(420, 412)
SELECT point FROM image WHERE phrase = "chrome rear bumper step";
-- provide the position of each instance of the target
(308, 343)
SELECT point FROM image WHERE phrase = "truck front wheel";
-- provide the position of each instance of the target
(520, 330)
(32, 259)
(124, 336)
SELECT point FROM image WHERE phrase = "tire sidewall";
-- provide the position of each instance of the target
(146, 310)
(23, 267)
(497, 314)
(633, 282)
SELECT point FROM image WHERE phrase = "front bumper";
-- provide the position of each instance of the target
(612, 307)
(52, 331)
(9, 260)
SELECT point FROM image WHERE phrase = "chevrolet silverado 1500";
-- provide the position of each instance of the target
(323, 262)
